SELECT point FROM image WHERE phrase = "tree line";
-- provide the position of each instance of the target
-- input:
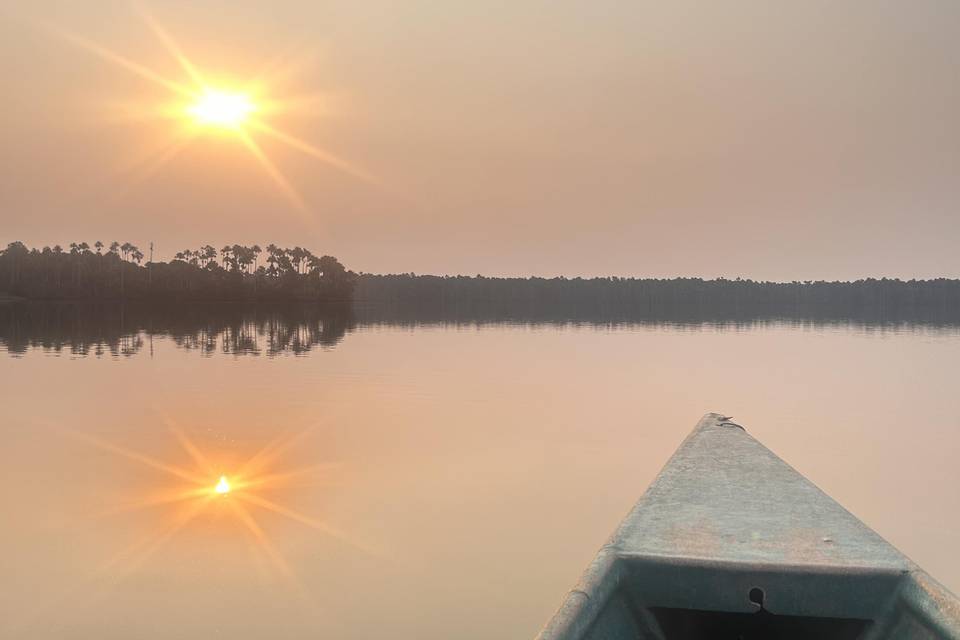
(125, 328)
(242, 273)
(116, 271)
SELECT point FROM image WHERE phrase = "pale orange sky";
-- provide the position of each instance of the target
(761, 139)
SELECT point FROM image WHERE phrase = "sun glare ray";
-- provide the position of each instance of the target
(172, 47)
(190, 448)
(273, 450)
(149, 167)
(284, 66)
(140, 170)
(153, 544)
(311, 150)
(231, 110)
(159, 465)
(114, 570)
(273, 555)
(260, 537)
(126, 63)
(202, 490)
(168, 498)
(313, 523)
(283, 479)
(292, 195)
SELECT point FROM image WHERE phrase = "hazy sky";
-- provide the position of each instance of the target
(782, 140)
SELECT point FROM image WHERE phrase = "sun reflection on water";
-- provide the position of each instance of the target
(201, 487)
(223, 487)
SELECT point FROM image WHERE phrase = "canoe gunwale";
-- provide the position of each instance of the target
(660, 555)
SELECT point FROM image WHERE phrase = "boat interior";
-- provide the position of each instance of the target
(671, 599)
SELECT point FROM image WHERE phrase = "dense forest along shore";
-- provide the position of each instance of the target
(238, 273)
(117, 271)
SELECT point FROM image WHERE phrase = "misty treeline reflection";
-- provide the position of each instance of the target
(684, 300)
(125, 329)
(117, 329)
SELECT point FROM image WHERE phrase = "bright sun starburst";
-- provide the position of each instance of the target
(196, 490)
(210, 106)
(218, 108)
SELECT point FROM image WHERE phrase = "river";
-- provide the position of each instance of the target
(405, 479)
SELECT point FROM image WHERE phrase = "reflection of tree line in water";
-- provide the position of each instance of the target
(125, 329)
(410, 298)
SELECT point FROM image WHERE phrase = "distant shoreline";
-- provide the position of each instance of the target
(412, 299)
(243, 275)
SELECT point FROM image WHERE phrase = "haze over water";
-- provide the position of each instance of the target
(473, 470)
(448, 468)
(770, 140)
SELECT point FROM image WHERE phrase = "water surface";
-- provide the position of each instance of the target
(456, 476)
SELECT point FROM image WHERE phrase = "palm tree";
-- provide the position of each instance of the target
(238, 260)
(125, 249)
(255, 249)
(296, 256)
(208, 254)
(272, 251)
(313, 262)
(283, 260)
(225, 257)
(249, 259)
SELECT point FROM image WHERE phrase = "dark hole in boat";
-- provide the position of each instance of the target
(756, 596)
(691, 624)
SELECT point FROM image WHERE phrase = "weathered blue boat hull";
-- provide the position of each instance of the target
(731, 542)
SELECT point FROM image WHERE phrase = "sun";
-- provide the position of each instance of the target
(245, 112)
(223, 487)
(194, 490)
(222, 109)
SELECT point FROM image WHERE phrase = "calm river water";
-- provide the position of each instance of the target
(405, 480)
